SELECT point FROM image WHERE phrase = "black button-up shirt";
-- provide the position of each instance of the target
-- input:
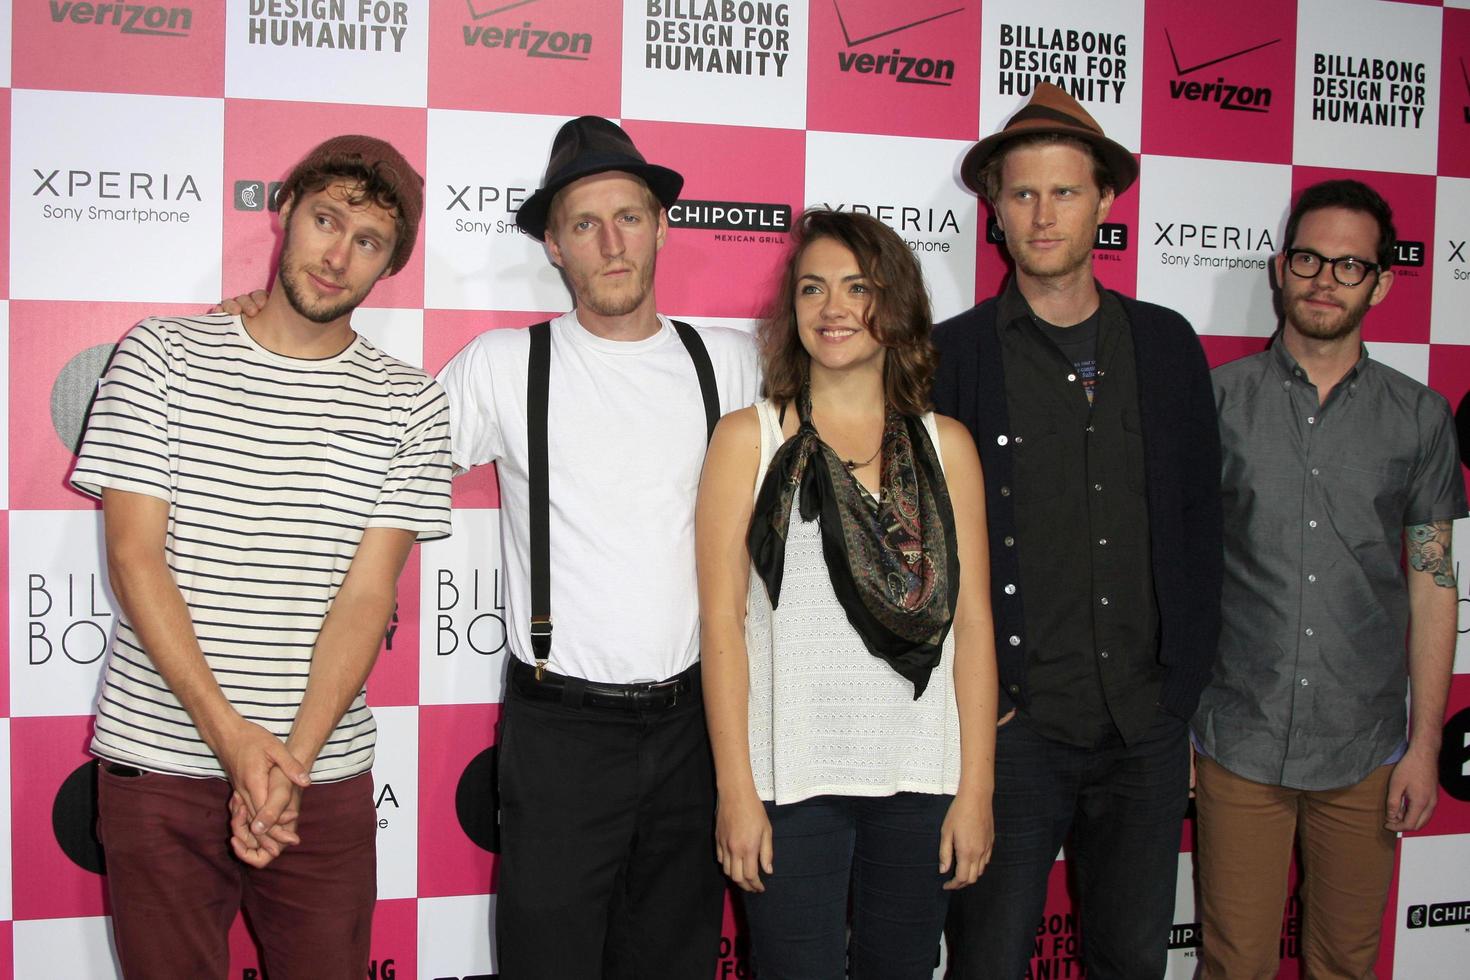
(1310, 685)
(1082, 520)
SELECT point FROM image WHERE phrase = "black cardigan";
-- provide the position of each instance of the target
(1182, 466)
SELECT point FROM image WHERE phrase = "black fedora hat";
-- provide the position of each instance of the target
(1051, 110)
(591, 145)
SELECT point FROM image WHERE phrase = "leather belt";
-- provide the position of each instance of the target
(576, 692)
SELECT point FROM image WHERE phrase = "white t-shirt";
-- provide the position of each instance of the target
(826, 716)
(272, 467)
(626, 439)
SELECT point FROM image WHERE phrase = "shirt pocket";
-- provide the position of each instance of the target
(354, 469)
(1366, 497)
(1040, 461)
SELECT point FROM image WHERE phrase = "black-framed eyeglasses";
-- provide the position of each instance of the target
(1349, 270)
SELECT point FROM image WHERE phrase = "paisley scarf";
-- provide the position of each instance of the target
(893, 566)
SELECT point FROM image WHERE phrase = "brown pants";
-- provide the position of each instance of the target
(176, 886)
(1244, 832)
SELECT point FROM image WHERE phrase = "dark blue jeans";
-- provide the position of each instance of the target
(1123, 806)
(887, 850)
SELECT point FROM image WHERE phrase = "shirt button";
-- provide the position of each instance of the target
(1005, 491)
(1103, 600)
(1019, 440)
(1001, 440)
(1304, 682)
(1311, 420)
(1315, 471)
(1089, 428)
(1097, 486)
(1102, 540)
(1014, 689)
(1010, 588)
(1103, 654)
(1311, 578)
(1311, 523)
(1071, 377)
(1010, 541)
(1309, 631)
(1286, 384)
(1015, 641)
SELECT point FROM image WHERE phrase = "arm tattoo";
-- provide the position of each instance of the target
(1429, 551)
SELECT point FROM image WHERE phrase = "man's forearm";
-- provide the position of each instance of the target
(154, 607)
(1433, 611)
(345, 653)
(349, 641)
(1431, 665)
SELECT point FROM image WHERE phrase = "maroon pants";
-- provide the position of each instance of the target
(176, 885)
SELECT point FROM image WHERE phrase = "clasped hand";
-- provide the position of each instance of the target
(266, 802)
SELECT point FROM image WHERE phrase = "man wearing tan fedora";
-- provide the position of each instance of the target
(598, 422)
(1096, 426)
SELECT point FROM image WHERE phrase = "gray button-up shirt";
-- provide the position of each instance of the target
(1309, 690)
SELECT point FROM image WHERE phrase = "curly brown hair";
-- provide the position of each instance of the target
(899, 316)
(375, 173)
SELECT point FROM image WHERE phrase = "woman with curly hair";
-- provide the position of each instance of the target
(847, 648)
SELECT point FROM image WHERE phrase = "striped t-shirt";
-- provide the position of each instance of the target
(273, 467)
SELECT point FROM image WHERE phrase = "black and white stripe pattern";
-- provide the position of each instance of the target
(273, 468)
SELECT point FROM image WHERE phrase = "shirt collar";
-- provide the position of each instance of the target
(1292, 369)
(1015, 311)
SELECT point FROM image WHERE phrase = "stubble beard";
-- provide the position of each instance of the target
(611, 301)
(1309, 325)
(289, 275)
(1053, 266)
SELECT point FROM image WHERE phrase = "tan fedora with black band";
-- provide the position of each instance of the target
(591, 145)
(1051, 110)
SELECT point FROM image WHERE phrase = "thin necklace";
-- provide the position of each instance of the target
(853, 464)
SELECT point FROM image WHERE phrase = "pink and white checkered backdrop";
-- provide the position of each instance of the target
(143, 141)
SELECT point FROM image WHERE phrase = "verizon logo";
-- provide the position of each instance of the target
(1226, 95)
(129, 18)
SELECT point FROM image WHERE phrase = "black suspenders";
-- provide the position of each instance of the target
(538, 379)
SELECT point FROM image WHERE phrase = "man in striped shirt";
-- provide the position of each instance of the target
(262, 481)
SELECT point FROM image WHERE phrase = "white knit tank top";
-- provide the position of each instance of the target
(826, 716)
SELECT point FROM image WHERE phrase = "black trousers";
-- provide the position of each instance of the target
(607, 843)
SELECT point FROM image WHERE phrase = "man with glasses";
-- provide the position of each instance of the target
(1333, 465)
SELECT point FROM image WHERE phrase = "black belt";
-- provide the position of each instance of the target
(575, 692)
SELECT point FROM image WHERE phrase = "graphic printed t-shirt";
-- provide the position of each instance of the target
(1078, 344)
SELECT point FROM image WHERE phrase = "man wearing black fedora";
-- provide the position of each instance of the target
(1096, 426)
(598, 422)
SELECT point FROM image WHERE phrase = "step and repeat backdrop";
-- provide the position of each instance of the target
(145, 142)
